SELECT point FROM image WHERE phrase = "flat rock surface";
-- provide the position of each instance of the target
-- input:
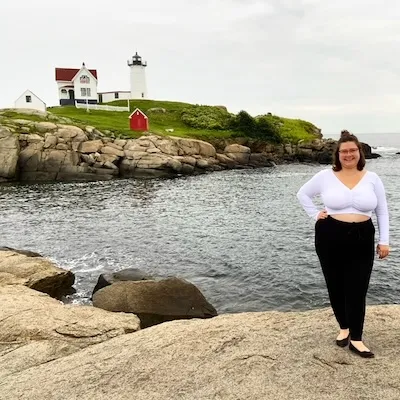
(268, 355)
(36, 329)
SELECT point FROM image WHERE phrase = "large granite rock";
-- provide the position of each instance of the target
(238, 153)
(36, 329)
(155, 302)
(252, 356)
(9, 151)
(30, 269)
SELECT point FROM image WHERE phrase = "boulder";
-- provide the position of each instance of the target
(135, 154)
(237, 148)
(260, 160)
(186, 160)
(239, 157)
(127, 274)
(50, 141)
(187, 169)
(36, 329)
(373, 155)
(165, 146)
(27, 253)
(132, 145)
(9, 151)
(103, 158)
(190, 147)
(34, 138)
(35, 272)
(120, 142)
(202, 163)
(53, 160)
(68, 132)
(238, 153)
(154, 161)
(155, 302)
(112, 151)
(44, 126)
(226, 161)
(91, 146)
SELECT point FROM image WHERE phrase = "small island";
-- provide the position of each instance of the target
(74, 144)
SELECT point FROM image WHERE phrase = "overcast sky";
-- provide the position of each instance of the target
(334, 63)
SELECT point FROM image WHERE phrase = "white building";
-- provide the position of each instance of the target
(77, 85)
(29, 100)
(138, 77)
(106, 97)
(80, 85)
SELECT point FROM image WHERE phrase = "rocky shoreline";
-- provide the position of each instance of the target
(53, 351)
(57, 151)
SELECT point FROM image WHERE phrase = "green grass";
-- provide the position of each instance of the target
(113, 121)
(14, 115)
(291, 130)
(118, 122)
(294, 130)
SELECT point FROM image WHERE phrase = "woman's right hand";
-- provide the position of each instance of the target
(322, 215)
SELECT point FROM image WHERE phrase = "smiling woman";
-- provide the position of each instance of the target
(345, 234)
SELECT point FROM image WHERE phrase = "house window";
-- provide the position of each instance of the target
(142, 95)
(116, 95)
(63, 91)
(28, 99)
(84, 79)
(85, 92)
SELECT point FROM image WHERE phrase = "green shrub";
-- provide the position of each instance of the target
(206, 117)
(243, 122)
(268, 128)
(264, 127)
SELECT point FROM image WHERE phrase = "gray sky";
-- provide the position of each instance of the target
(334, 63)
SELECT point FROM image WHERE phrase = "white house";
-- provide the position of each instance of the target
(77, 85)
(29, 100)
(106, 97)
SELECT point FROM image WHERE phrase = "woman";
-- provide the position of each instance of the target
(344, 234)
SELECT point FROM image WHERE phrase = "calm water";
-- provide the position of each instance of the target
(240, 236)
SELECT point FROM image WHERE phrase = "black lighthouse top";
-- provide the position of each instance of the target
(137, 60)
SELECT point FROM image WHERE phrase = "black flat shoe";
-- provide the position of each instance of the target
(364, 354)
(343, 342)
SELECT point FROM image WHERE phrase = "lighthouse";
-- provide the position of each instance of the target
(138, 77)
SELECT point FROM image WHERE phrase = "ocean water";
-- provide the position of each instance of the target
(240, 236)
(380, 142)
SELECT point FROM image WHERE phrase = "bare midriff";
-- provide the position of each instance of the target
(351, 217)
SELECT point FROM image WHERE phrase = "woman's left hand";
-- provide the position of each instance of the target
(382, 250)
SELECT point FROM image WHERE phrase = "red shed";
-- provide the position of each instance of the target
(138, 121)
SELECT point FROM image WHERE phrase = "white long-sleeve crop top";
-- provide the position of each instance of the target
(367, 196)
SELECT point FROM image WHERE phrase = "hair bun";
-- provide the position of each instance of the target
(345, 133)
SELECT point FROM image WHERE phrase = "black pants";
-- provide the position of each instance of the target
(346, 253)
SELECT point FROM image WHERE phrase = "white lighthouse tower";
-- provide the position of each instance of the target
(138, 77)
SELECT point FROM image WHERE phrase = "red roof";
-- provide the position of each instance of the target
(67, 74)
(139, 111)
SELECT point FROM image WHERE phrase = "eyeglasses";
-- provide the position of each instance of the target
(349, 151)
